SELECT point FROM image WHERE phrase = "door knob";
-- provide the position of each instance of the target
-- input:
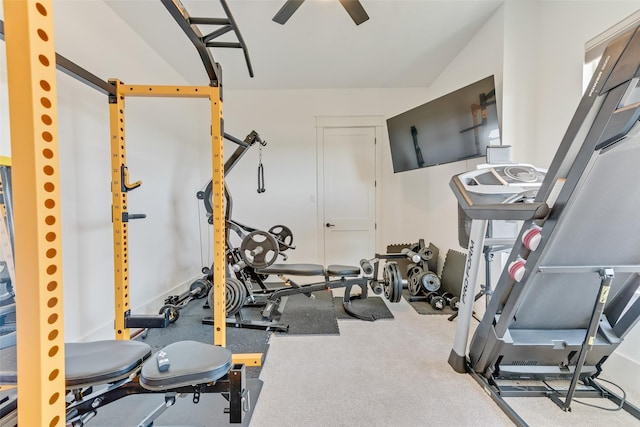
(330, 225)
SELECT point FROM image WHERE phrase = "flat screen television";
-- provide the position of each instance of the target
(456, 126)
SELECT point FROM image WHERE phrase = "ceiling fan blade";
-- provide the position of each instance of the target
(355, 10)
(286, 11)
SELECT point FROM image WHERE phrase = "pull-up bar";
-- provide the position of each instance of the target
(186, 23)
(74, 70)
(202, 43)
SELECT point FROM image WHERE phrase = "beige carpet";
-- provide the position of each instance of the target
(391, 373)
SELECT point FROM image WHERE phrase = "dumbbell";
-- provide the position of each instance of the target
(436, 301)
(451, 300)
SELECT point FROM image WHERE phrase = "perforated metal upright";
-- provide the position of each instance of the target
(119, 211)
(120, 186)
(219, 222)
(31, 77)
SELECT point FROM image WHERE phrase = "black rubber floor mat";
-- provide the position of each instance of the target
(423, 307)
(453, 272)
(374, 306)
(310, 316)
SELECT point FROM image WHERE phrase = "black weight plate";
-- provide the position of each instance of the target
(392, 282)
(397, 285)
(236, 294)
(201, 286)
(387, 281)
(259, 249)
(174, 313)
(414, 273)
(284, 235)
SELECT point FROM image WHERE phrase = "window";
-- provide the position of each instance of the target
(595, 46)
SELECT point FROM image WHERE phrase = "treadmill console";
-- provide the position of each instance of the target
(495, 185)
(507, 179)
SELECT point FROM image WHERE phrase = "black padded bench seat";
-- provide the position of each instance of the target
(191, 362)
(293, 269)
(310, 270)
(101, 362)
(342, 270)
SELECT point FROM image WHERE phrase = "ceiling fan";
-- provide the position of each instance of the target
(353, 8)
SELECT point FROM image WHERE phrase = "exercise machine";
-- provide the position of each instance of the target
(567, 296)
(253, 261)
(101, 372)
(201, 288)
(334, 277)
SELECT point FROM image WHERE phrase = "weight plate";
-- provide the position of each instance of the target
(397, 291)
(392, 282)
(430, 281)
(235, 296)
(413, 267)
(283, 234)
(259, 249)
(201, 286)
(174, 313)
(426, 254)
(414, 273)
(387, 281)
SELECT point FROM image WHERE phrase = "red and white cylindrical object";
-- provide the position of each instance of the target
(517, 269)
(531, 238)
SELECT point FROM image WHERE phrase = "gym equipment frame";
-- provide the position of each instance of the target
(181, 368)
(32, 103)
(254, 261)
(578, 244)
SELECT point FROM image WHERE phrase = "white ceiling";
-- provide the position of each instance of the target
(405, 43)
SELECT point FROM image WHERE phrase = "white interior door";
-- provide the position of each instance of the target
(349, 180)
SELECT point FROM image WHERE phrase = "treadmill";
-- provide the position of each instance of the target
(568, 295)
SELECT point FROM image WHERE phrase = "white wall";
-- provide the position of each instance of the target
(286, 120)
(168, 146)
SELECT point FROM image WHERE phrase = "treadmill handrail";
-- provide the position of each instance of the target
(497, 211)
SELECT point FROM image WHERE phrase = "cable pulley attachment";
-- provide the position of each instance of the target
(261, 188)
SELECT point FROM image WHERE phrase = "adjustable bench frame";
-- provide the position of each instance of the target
(271, 297)
(232, 387)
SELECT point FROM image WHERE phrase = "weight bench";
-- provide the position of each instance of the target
(98, 373)
(349, 277)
